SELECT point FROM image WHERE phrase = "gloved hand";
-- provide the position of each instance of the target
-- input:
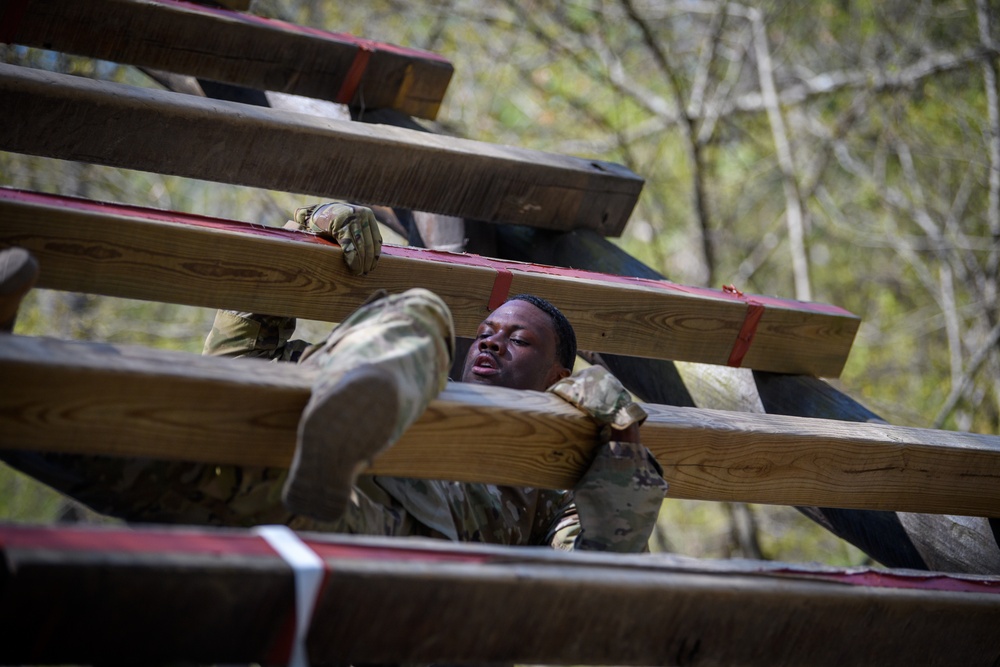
(352, 227)
(599, 393)
(619, 496)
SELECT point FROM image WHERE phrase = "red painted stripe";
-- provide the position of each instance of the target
(62, 538)
(461, 259)
(501, 289)
(276, 24)
(744, 338)
(355, 73)
(917, 581)
(194, 542)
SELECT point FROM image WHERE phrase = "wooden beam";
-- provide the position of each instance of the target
(72, 118)
(242, 49)
(72, 595)
(126, 401)
(163, 256)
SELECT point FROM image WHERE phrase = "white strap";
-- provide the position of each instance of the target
(308, 569)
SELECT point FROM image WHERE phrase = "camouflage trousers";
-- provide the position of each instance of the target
(409, 334)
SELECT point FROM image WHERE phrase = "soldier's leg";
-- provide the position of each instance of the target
(377, 372)
(18, 273)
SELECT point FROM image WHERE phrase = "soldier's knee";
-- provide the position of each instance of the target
(430, 308)
(426, 298)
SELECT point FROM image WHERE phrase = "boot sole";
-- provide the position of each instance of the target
(338, 437)
(18, 274)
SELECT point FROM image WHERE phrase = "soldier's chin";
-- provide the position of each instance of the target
(481, 375)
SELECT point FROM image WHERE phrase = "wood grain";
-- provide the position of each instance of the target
(163, 256)
(127, 401)
(72, 118)
(147, 595)
(225, 46)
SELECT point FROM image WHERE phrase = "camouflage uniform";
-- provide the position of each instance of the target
(617, 500)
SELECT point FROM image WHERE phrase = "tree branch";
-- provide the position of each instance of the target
(786, 161)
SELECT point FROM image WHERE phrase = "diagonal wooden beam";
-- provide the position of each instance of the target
(164, 256)
(128, 401)
(72, 118)
(241, 49)
(74, 595)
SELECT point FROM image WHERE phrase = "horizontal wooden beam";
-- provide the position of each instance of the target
(128, 401)
(124, 251)
(241, 49)
(71, 595)
(72, 118)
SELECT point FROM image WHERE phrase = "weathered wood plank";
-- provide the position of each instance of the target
(126, 401)
(72, 118)
(226, 46)
(109, 596)
(141, 253)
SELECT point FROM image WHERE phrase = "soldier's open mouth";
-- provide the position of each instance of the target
(485, 364)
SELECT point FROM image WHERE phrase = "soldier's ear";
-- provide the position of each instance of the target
(558, 372)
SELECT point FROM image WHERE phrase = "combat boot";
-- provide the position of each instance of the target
(377, 373)
(18, 274)
(342, 429)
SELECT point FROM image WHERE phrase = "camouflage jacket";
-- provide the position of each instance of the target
(616, 501)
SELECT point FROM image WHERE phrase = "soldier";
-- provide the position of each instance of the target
(378, 371)
(390, 358)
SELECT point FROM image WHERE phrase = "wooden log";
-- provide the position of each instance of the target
(72, 595)
(226, 46)
(126, 401)
(163, 256)
(72, 118)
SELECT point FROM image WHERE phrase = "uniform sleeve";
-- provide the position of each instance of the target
(236, 334)
(615, 505)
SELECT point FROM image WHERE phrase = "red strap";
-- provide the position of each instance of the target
(356, 72)
(501, 288)
(755, 311)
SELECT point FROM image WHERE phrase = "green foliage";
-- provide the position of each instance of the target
(705, 530)
(23, 500)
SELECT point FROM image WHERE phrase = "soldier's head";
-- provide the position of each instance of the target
(524, 344)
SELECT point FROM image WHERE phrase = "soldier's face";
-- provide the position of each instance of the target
(515, 347)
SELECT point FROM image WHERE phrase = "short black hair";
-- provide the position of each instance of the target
(565, 336)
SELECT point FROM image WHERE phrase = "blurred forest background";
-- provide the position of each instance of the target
(840, 151)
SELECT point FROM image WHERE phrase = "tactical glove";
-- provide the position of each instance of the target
(619, 497)
(352, 227)
(599, 393)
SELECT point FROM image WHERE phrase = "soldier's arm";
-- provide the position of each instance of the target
(354, 228)
(618, 499)
(239, 334)
(616, 503)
